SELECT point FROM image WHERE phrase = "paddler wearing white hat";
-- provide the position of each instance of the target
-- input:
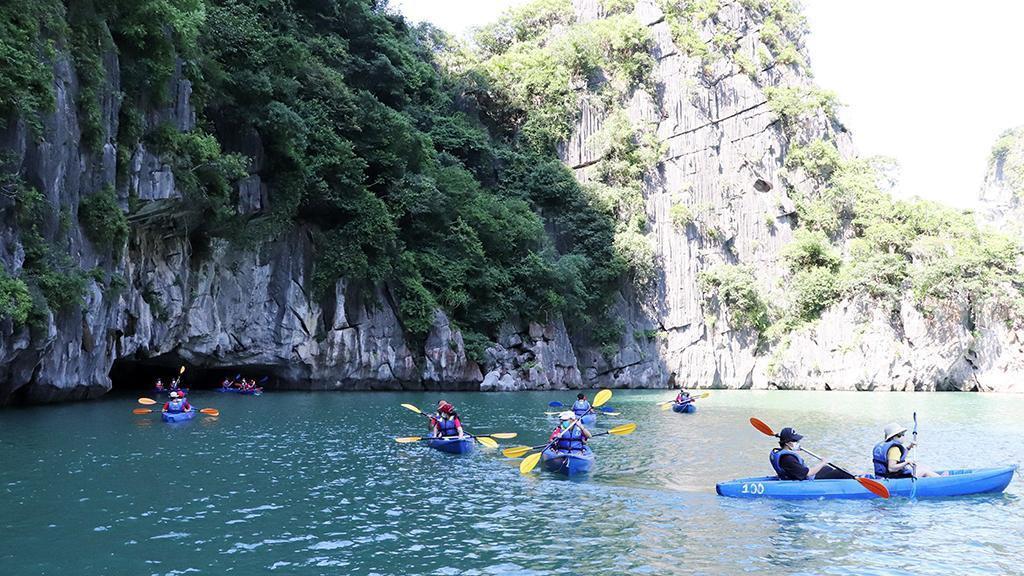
(890, 456)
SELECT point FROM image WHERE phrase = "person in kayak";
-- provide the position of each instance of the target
(890, 456)
(581, 407)
(788, 463)
(178, 403)
(445, 422)
(176, 383)
(159, 385)
(568, 437)
(684, 398)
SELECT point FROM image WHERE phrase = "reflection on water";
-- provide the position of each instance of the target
(314, 484)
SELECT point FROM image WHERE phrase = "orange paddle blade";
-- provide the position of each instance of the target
(210, 411)
(147, 401)
(141, 411)
(875, 487)
(764, 428)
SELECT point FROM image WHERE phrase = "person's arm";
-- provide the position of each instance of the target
(813, 470)
(894, 464)
(793, 467)
(586, 433)
(458, 426)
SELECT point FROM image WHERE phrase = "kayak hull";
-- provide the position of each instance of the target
(178, 416)
(957, 483)
(237, 391)
(569, 463)
(684, 408)
(452, 445)
(589, 419)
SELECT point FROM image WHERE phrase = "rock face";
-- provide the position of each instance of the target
(1000, 197)
(224, 308)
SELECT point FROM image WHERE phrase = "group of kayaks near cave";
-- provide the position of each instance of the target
(568, 452)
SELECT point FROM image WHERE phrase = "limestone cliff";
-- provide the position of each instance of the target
(722, 192)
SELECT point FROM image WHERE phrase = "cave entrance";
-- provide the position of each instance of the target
(140, 374)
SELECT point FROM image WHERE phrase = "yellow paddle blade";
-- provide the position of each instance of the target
(529, 463)
(182, 370)
(503, 435)
(408, 439)
(515, 451)
(141, 411)
(413, 408)
(666, 406)
(704, 395)
(147, 401)
(210, 411)
(623, 430)
(601, 398)
(488, 442)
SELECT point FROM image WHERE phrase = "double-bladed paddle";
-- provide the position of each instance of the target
(484, 440)
(873, 486)
(488, 442)
(150, 402)
(520, 451)
(668, 403)
(530, 462)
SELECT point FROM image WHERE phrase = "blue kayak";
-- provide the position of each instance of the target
(955, 483)
(178, 416)
(240, 391)
(168, 391)
(452, 445)
(588, 419)
(684, 408)
(569, 463)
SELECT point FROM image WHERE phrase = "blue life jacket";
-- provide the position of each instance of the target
(571, 440)
(879, 458)
(176, 405)
(774, 457)
(580, 407)
(447, 427)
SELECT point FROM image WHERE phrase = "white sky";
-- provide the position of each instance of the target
(929, 83)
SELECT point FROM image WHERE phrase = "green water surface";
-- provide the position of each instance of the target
(312, 483)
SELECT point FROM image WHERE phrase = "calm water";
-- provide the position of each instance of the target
(298, 483)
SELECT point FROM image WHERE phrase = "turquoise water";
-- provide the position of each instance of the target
(312, 483)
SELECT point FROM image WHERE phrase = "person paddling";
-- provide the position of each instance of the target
(890, 457)
(788, 463)
(446, 423)
(684, 398)
(566, 436)
(581, 407)
(159, 385)
(178, 403)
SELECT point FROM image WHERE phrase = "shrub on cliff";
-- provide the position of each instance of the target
(737, 290)
(15, 300)
(103, 220)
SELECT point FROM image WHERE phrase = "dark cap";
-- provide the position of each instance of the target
(581, 395)
(789, 435)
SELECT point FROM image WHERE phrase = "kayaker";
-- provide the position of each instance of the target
(684, 398)
(176, 383)
(159, 385)
(581, 407)
(890, 456)
(788, 463)
(445, 422)
(568, 437)
(178, 403)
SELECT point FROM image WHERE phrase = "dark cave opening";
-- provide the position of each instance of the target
(140, 374)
